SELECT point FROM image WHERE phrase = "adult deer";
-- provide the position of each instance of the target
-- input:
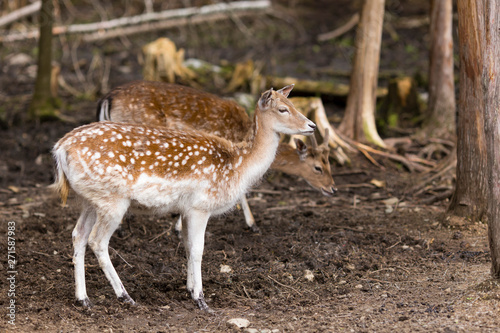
(177, 106)
(112, 166)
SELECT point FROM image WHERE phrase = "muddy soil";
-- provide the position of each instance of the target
(353, 263)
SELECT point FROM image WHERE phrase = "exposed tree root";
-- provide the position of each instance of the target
(444, 171)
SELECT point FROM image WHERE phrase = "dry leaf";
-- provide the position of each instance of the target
(13, 189)
(378, 183)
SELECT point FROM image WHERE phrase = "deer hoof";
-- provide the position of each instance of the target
(84, 303)
(125, 298)
(202, 305)
(255, 229)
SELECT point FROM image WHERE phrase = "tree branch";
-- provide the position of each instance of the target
(187, 15)
(20, 13)
(353, 21)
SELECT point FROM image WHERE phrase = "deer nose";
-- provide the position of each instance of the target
(312, 125)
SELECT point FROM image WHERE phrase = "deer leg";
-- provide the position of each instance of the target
(249, 219)
(178, 227)
(106, 224)
(80, 237)
(194, 224)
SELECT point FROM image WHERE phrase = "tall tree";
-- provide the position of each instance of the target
(358, 122)
(477, 194)
(491, 78)
(43, 103)
(440, 118)
(469, 199)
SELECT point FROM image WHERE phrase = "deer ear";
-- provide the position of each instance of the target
(265, 99)
(301, 149)
(285, 91)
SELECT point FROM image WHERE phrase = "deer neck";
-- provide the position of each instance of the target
(287, 160)
(256, 153)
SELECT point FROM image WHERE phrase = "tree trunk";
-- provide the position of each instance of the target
(469, 199)
(42, 104)
(359, 118)
(478, 141)
(490, 79)
(440, 119)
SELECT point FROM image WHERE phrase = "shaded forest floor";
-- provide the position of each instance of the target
(318, 264)
(356, 262)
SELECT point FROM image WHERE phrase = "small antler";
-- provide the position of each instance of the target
(314, 143)
(325, 138)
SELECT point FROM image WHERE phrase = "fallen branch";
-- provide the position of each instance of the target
(412, 22)
(412, 163)
(438, 197)
(448, 165)
(187, 15)
(172, 23)
(353, 21)
(412, 166)
(315, 87)
(20, 13)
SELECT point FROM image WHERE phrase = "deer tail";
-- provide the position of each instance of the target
(61, 185)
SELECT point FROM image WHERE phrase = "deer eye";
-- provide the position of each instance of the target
(283, 109)
(318, 169)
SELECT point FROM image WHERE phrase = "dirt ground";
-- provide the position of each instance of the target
(319, 264)
(358, 262)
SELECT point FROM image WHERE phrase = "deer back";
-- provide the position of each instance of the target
(156, 167)
(157, 103)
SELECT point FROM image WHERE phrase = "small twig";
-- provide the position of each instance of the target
(442, 169)
(125, 261)
(263, 191)
(43, 254)
(438, 197)
(241, 26)
(76, 65)
(246, 293)
(371, 159)
(159, 235)
(443, 142)
(376, 280)
(67, 87)
(271, 209)
(420, 160)
(390, 247)
(177, 249)
(412, 22)
(355, 185)
(105, 75)
(403, 269)
(284, 285)
(381, 270)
